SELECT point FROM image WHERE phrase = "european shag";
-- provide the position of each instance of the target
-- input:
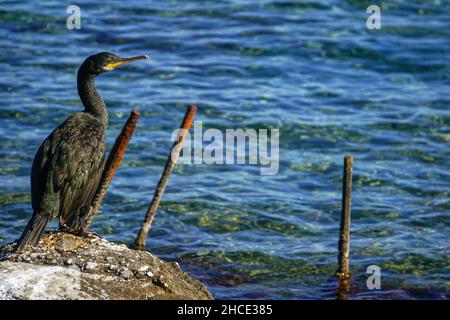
(68, 165)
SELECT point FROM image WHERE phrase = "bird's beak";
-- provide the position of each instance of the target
(122, 61)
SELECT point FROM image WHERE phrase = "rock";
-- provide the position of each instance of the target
(142, 269)
(112, 267)
(90, 265)
(21, 280)
(65, 266)
(126, 274)
(176, 265)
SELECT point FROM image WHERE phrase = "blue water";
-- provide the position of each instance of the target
(310, 69)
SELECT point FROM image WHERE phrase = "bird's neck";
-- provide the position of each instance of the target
(92, 101)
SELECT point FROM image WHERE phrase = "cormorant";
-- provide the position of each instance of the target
(68, 165)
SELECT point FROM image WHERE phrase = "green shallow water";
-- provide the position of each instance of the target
(310, 69)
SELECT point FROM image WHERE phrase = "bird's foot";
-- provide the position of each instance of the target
(66, 228)
(79, 231)
(85, 233)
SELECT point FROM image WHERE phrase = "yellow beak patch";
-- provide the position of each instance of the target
(114, 65)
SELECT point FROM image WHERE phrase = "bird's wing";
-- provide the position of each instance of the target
(68, 166)
(40, 165)
(80, 166)
(44, 197)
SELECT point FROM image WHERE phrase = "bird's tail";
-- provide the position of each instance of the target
(33, 232)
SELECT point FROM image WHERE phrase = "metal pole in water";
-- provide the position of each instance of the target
(343, 273)
(139, 243)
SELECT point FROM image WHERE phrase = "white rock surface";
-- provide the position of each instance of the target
(19, 280)
(65, 266)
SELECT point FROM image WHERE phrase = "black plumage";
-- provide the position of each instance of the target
(68, 165)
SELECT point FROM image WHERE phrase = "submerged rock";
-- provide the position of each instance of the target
(65, 266)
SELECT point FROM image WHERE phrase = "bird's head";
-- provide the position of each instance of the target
(105, 61)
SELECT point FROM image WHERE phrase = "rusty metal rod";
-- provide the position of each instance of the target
(343, 273)
(141, 239)
(114, 158)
